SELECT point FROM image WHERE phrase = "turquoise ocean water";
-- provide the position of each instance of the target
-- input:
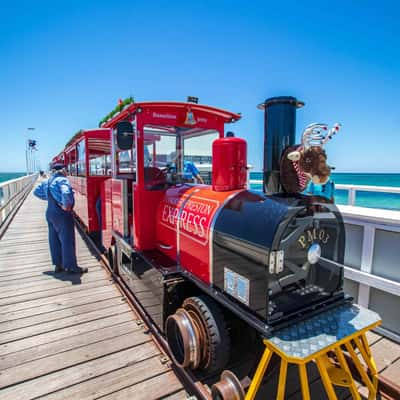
(6, 176)
(390, 201)
(363, 199)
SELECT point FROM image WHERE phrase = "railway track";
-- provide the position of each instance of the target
(387, 389)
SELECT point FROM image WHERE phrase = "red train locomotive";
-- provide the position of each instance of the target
(223, 264)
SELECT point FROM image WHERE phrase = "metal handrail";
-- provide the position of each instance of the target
(12, 194)
(9, 200)
(353, 189)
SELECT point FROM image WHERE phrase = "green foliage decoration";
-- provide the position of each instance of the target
(120, 106)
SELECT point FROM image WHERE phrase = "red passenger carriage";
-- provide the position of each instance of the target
(88, 161)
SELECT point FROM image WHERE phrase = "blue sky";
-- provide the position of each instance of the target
(64, 64)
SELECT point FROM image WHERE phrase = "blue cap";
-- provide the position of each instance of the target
(58, 166)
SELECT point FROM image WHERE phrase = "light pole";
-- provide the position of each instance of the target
(28, 154)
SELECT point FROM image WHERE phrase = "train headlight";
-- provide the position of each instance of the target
(314, 253)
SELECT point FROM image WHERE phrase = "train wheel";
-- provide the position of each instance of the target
(198, 336)
(215, 339)
(228, 388)
(183, 339)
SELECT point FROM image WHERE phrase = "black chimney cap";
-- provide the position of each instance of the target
(281, 100)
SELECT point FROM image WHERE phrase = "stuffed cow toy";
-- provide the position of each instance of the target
(304, 167)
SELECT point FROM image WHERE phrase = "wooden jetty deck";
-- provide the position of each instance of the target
(69, 337)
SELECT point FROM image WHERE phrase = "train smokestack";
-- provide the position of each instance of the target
(279, 132)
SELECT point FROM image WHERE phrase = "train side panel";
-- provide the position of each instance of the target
(106, 213)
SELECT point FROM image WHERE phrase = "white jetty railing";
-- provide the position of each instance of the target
(353, 189)
(372, 267)
(372, 262)
(12, 193)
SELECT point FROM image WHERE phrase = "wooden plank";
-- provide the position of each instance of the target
(22, 245)
(26, 263)
(158, 387)
(57, 281)
(112, 381)
(21, 240)
(56, 315)
(40, 250)
(181, 395)
(79, 373)
(57, 362)
(39, 268)
(372, 337)
(37, 240)
(105, 294)
(33, 330)
(53, 292)
(68, 343)
(33, 243)
(54, 280)
(19, 259)
(40, 276)
(58, 334)
(393, 372)
(43, 251)
(29, 304)
(385, 352)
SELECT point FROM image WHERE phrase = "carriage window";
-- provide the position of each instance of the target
(71, 162)
(99, 150)
(198, 150)
(100, 165)
(176, 155)
(81, 164)
(159, 151)
(126, 162)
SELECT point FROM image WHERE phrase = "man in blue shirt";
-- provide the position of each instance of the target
(190, 171)
(60, 201)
